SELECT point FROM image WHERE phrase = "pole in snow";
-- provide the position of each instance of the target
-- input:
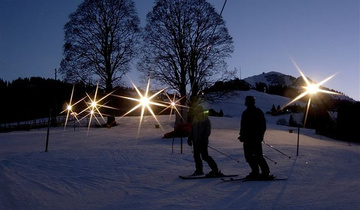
(48, 132)
(223, 154)
(270, 159)
(276, 150)
(298, 140)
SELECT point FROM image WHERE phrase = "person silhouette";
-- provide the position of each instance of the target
(252, 130)
(199, 139)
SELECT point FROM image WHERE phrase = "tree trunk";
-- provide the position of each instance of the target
(111, 118)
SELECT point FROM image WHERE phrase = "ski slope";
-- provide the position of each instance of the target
(104, 168)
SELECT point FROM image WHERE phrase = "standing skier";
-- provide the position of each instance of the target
(252, 129)
(199, 137)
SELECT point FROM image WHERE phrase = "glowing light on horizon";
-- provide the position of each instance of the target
(93, 107)
(310, 89)
(93, 104)
(69, 108)
(144, 102)
(173, 104)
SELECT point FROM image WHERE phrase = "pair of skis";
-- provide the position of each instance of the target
(206, 177)
(244, 179)
(234, 178)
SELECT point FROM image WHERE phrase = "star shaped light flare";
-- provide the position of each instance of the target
(69, 108)
(310, 89)
(173, 104)
(144, 102)
(94, 105)
(92, 109)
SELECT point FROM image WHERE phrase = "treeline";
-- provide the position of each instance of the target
(228, 86)
(26, 99)
(31, 98)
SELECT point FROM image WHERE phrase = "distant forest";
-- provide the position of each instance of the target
(26, 99)
(33, 98)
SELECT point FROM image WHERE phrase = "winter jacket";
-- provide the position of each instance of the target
(200, 131)
(253, 125)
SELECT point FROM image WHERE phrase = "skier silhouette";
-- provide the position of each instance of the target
(199, 138)
(252, 130)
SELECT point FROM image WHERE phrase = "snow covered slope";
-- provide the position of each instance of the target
(104, 168)
(271, 78)
(274, 78)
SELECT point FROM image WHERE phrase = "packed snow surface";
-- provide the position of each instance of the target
(104, 168)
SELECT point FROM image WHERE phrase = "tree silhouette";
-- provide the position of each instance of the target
(185, 44)
(100, 41)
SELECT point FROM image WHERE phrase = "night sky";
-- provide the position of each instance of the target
(322, 36)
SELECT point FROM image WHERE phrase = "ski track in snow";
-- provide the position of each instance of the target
(104, 168)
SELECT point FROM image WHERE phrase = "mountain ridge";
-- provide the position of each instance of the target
(274, 78)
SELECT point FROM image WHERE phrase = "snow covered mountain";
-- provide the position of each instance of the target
(271, 78)
(274, 78)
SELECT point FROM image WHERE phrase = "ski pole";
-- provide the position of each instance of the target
(276, 150)
(269, 159)
(223, 154)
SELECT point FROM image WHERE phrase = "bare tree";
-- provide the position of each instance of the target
(185, 45)
(100, 41)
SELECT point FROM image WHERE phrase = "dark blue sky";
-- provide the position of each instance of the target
(322, 36)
